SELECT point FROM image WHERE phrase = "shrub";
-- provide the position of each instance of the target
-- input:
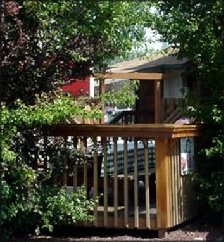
(27, 206)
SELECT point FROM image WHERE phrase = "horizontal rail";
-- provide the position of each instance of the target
(130, 76)
(131, 130)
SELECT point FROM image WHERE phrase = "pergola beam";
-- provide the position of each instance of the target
(130, 76)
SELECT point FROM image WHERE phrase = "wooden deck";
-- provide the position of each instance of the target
(151, 198)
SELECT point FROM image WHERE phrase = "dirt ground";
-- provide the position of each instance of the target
(199, 229)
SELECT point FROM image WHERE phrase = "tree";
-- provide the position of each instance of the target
(196, 28)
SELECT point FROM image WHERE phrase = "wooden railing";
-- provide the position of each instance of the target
(138, 187)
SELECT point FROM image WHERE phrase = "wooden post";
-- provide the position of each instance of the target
(163, 186)
(101, 92)
(157, 103)
(136, 203)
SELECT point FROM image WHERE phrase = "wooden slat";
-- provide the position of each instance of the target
(136, 202)
(105, 183)
(147, 198)
(125, 184)
(174, 160)
(75, 168)
(95, 178)
(130, 76)
(115, 195)
(85, 176)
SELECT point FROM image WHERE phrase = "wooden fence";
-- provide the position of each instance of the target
(134, 171)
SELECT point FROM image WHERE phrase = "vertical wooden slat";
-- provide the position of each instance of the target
(136, 202)
(162, 184)
(157, 101)
(95, 178)
(75, 168)
(125, 183)
(65, 165)
(105, 182)
(147, 198)
(115, 195)
(85, 175)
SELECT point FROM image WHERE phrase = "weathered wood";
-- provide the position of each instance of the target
(130, 76)
(163, 203)
(132, 130)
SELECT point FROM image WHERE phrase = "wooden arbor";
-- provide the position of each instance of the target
(154, 77)
(162, 82)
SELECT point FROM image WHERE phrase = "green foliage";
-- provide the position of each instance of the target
(58, 207)
(27, 206)
(91, 30)
(126, 96)
(196, 28)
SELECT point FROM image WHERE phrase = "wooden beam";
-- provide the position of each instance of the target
(130, 76)
(131, 130)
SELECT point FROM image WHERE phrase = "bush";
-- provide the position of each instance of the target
(26, 206)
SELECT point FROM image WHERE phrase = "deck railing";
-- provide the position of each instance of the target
(134, 171)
